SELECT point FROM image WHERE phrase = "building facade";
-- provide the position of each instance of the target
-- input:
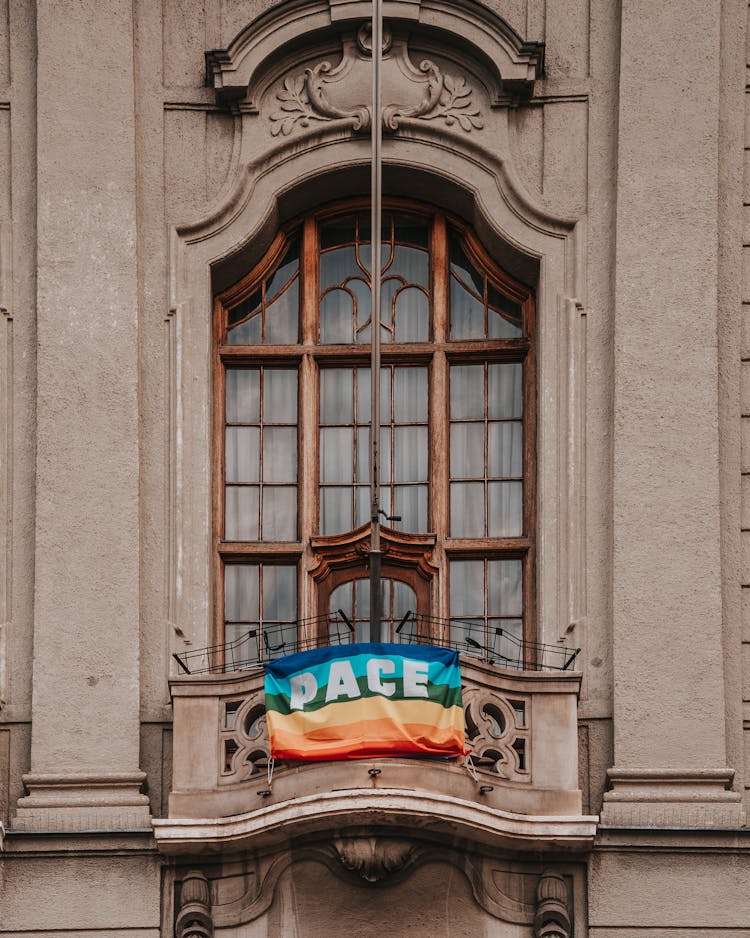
(185, 266)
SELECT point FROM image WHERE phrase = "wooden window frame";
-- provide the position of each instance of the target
(438, 354)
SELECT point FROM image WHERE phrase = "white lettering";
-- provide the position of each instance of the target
(341, 680)
(415, 678)
(376, 667)
(304, 688)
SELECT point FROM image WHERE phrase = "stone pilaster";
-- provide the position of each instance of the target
(669, 701)
(84, 762)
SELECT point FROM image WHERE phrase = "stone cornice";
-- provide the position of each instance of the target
(458, 25)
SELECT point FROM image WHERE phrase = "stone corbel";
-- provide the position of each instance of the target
(194, 918)
(552, 919)
(374, 858)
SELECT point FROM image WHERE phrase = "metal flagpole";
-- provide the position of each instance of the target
(376, 211)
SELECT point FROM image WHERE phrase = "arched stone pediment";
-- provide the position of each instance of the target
(463, 31)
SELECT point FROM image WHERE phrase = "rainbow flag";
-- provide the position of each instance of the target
(359, 701)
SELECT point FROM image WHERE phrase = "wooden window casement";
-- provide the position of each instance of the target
(292, 414)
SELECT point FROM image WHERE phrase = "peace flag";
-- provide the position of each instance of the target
(364, 700)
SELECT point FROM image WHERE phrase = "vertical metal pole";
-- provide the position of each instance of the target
(376, 211)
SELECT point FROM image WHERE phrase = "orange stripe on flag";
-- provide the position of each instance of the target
(384, 736)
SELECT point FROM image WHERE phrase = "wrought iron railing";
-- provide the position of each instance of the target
(496, 645)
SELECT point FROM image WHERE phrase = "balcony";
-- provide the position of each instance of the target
(519, 790)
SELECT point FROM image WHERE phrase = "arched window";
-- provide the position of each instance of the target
(292, 409)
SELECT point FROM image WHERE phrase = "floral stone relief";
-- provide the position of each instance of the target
(324, 92)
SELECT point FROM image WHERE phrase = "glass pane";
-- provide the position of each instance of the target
(412, 316)
(342, 598)
(248, 332)
(411, 264)
(280, 592)
(363, 395)
(505, 509)
(508, 315)
(385, 455)
(505, 637)
(336, 266)
(360, 599)
(284, 273)
(363, 454)
(279, 638)
(279, 454)
(244, 309)
(411, 504)
(467, 391)
(336, 395)
(365, 252)
(410, 455)
(243, 395)
(467, 313)
(410, 395)
(243, 647)
(504, 587)
(282, 317)
(505, 391)
(462, 266)
(404, 599)
(335, 510)
(338, 231)
(336, 454)
(506, 449)
(500, 328)
(388, 291)
(241, 513)
(467, 450)
(241, 454)
(279, 513)
(467, 509)
(469, 637)
(410, 229)
(241, 592)
(362, 297)
(362, 494)
(337, 318)
(279, 396)
(467, 587)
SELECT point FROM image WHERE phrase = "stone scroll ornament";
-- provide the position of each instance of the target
(322, 93)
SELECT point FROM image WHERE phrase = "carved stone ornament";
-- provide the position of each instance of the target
(325, 92)
(497, 728)
(552, 919)
(373, 858)
(194, 916)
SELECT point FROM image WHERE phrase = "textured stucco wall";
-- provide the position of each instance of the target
(647, 151)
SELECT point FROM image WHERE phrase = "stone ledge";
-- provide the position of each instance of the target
(672, 798)
(441, 815)
(83, 802)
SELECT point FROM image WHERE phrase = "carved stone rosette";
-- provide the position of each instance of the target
(194, 916)
(552, 919)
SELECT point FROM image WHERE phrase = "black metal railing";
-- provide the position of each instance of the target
(496, 645)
